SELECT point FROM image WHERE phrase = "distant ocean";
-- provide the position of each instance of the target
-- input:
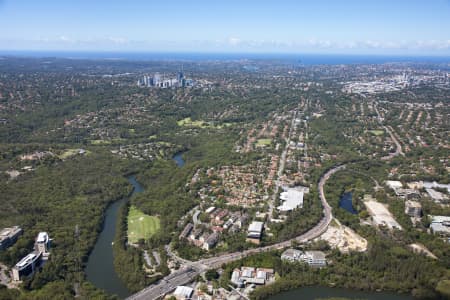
(305, 59)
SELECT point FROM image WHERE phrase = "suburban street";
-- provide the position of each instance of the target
(281, 167)
(191, 269)
(398, 146)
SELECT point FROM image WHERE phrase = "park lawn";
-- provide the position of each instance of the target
(100, 142)
(140, 225)
(188, 122)
(71, 152)
(202, 124)
(263, 142)
(376, 132)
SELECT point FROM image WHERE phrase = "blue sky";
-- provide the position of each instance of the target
(408, 27)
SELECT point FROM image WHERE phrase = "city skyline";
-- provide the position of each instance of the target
(323, 27)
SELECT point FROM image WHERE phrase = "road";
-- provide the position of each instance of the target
(191, 269)
(167, 284)
(398, 149)
(281, 167)
(398, 146)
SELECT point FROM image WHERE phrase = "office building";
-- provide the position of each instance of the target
(42, 244)
(27, 265)
(251, 275)
(413, 208)
(8, 236)
(255, 232)
(187, 229)
(183, 292)
(292, 198)
(291, 255)
(312, 258)
(211, 241)
(440, 225)
(163, 81)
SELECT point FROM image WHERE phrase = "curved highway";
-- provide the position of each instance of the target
(191, 269)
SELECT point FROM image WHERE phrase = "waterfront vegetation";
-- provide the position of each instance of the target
(386, 266)
(57, 197)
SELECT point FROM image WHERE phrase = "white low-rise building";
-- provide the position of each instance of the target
(292, 198)
(43, 242)
(251, 275)
(27, 265)
(413, 208)
(394, 184)
(312, 258)
(183, 292)
(255, 230)
(440, 225)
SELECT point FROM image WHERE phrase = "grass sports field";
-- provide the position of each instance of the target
(376, 132)
(140, 225)
(202, 124)
(189, 122)
(263, 142)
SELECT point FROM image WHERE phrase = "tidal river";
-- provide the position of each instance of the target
(100, 267)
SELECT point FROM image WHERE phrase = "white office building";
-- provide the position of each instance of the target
(292, 198)
(312, 258)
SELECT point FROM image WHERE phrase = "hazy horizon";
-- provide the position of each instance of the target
(405, 28)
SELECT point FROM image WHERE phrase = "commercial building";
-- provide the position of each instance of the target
(407, 194)
(27, 265)
(440, 225)
(254, 233)
(291, 255)
(413, 208)
(183, 292)
(292, 198)
(9, 236)
(163, 81)
(211, 241)
(394, 184)
(434, 184)
(196, 233)
(42, 244)
(312, 258)
(437, 196)
(187, 229)
(251, 275)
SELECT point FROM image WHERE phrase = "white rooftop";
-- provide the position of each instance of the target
(183, 291)
(292, 198)
(440, 219)
(256, 226)
(394, 184)
(440, 228)
(435, 195)
(27, 260)
(42, 237)
(434, 184)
